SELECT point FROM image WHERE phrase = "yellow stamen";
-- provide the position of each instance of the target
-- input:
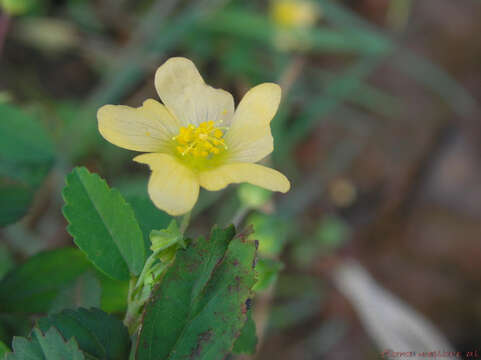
(202, 141)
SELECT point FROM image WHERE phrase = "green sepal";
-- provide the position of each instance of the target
(165, 238)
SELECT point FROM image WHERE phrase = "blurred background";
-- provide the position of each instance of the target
(378, 244)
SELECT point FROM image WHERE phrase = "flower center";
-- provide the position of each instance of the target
(202, 141)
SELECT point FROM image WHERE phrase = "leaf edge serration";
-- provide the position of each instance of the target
(113, 193)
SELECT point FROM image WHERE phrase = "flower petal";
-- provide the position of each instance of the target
(146, 128)
(184, 92)
(172, 187)
(159, 112)
(249, 138)
(255, 174)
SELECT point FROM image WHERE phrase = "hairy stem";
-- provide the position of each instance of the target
(130, 314)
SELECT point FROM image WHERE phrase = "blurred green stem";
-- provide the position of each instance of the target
(291, 73)
(240, 215)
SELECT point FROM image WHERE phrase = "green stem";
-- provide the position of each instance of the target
(129, 318)
(134, 298)
(134, 304)
(185, 222)
(240, 215)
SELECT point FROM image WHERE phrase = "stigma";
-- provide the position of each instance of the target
(203, 141)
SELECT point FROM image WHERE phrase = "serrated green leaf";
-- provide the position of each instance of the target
(199, 308)
(97, 333)
(33, 286)
(48, 346)
(247, 341)
(85, 292)
(103, 225)
(26, 156)
(55, 348)
(25, 349)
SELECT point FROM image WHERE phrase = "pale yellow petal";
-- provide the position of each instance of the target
(184, 92)
(254, 174)
(172, 187)
(159, 112)
(249, 138)
(146, 128)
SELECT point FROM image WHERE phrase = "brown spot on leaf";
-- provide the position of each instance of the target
(201, 341)
(244, 308)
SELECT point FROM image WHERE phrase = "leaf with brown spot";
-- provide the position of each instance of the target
(197, 310)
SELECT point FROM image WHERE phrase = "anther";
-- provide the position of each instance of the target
(200, 141)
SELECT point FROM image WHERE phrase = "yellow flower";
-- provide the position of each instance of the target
(196, 139)
(294, 20)
(294, 13)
